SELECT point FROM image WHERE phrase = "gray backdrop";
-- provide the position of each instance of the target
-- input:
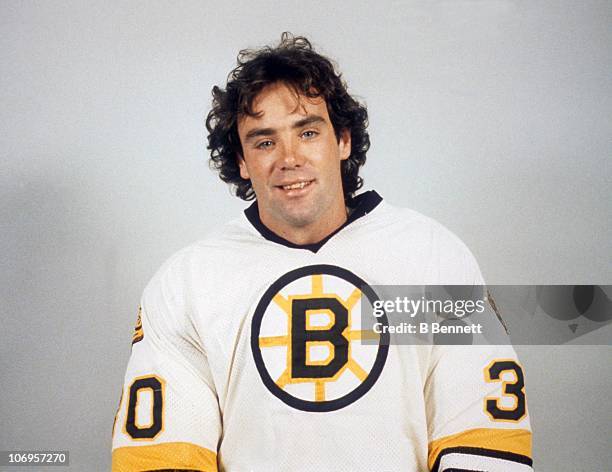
(494, 117)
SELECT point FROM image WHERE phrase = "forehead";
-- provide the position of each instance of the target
(278, 102)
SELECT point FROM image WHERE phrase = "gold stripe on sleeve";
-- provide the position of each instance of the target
(172, 455)
(517, 441)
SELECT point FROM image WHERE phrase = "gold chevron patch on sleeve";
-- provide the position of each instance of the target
(172, 455)
(516, 441)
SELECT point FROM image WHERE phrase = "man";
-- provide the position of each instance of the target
(248, 353)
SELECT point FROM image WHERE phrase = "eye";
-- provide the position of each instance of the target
(264, 144)
(309, 134)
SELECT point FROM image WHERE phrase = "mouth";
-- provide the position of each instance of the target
(295, 187)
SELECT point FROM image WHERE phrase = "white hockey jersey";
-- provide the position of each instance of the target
(248, 356)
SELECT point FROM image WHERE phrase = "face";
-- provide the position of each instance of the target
(292, 157)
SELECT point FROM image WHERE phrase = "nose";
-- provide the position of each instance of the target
(291, 156)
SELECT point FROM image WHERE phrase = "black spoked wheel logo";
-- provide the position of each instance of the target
(306, 339)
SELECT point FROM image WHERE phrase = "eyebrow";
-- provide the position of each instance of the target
(309, 120)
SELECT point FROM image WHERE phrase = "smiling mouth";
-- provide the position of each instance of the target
(296, 185)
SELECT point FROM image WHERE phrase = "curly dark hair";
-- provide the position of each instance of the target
(295, 63)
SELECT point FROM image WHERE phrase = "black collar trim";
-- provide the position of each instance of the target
(360, 206)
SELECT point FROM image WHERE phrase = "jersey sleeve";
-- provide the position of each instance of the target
(477, 410)
(168, 417)
(475, 394)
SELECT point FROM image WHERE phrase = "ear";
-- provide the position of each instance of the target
(244, 173)
(344, 144)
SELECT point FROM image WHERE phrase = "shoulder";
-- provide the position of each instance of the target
(201, 257)
(183, 283)
(447, 257)
(410, 223)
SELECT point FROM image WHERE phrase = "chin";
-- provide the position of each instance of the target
(299, 220)
(298, 217)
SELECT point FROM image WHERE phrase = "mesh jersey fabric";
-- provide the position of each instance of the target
(213, 384)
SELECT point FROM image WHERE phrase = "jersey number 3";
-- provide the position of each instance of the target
(514, 389)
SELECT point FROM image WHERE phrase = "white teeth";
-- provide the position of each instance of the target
(296, 185)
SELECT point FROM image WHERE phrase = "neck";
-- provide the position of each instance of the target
(311, 233)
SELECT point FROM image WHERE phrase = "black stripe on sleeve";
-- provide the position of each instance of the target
(478, 451)
(463, 470)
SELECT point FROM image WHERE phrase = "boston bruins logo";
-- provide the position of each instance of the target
(306, 339)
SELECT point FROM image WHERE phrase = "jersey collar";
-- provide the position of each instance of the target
(360, 206)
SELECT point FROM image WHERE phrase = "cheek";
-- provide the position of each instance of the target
(328, 155)
(257, 170)
(334, 160)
